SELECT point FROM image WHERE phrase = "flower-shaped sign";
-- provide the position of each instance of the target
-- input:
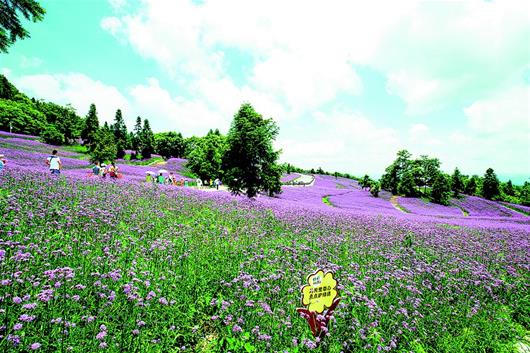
(320, 292)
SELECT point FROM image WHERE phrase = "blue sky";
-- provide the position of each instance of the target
(349, 83)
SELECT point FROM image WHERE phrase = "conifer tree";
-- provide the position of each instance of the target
(147, 140)
(89, 133)
(490, 185)
(137, 136)
(120, 134)
(457, 182)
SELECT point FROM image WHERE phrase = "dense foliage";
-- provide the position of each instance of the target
(206, 158)
(11, 28)
(250, 162)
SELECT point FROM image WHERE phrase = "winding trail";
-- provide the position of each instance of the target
(394, 202)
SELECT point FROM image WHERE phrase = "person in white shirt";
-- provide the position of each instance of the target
(54, 162)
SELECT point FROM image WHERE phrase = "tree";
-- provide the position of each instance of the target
(375, 188)
(147, 140)
(10, 26)
(490, 185)
(509, 189)
(471, 185)
(429, 169)
(21, 117)
(366, 182)
(524, 195)
(91, 128)
(206, 159)
(457, 182)
(52, 136)
(250, 162)
(137, 138)
(64, 119)
(393, 173)
(441, 189)
(7, 89)
(120, 134)
(105, 148)
(169, 144)
(407, 185)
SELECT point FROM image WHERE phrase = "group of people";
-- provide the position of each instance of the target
(171, 179)
(102, 170)
(151, 177)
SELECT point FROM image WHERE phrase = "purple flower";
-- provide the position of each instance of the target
(26, 318)
(34, 346)
(236, 328)
(17, 326)
(101, 336)
(17, 300)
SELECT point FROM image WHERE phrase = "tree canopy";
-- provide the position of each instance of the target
(11, 28)
(250, 162)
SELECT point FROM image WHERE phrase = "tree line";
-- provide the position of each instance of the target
(422, 177)
(244, 158)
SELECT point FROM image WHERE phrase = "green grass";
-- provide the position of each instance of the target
(325, 200)
(516, 209)
(76, 149)
(209, 258)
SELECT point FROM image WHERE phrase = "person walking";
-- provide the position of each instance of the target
(54, 162)
(216, 183)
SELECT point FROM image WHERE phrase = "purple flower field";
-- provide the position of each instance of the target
(97, 265)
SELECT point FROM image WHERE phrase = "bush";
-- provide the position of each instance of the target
(375, 187)
(52, 136)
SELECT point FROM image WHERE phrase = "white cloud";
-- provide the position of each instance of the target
(505, 112)
(302, 55)
(111, 24)
(174, 113)
(447, 53)
(78, 90)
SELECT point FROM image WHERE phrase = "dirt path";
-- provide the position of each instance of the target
(394, 202)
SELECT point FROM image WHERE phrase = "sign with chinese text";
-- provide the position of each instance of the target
(320, 293)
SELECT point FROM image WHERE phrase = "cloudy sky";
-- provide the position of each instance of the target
(349, 82)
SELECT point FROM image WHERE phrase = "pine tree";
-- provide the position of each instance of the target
(457, 183)
(137, 138)
(509, 189)
(120, 134)
(89, 133)
(471, 185)
(148, 140)
(104, 149)
(490, 185)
